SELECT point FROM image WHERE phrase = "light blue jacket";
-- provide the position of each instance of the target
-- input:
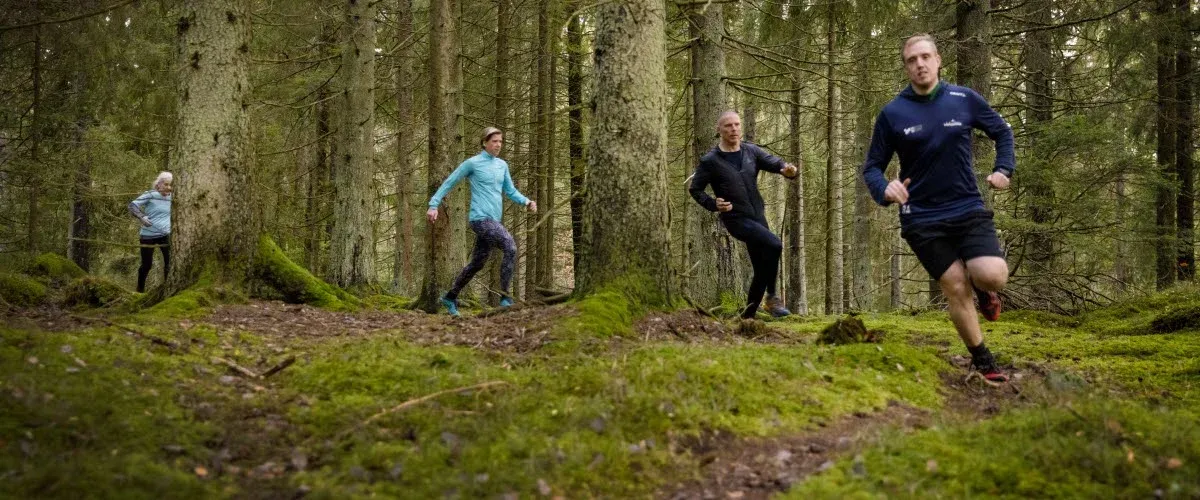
(155, 207)
(489, 177)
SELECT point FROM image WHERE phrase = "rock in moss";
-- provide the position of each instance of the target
(56, 268)
(92, 291)
(847, 330)
(21, 290)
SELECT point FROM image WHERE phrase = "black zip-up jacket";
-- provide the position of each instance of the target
(737, 187)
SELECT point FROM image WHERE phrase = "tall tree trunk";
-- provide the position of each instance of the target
(1038, 180)
(318, 186)
(627, 152)
(500, 112)
(833, 175)
(352, 257)
(864, 206)
(797, 273)
(575, 128)
(896, 295)
(709, 248)
(439, 254)
(550, 156)
(214, 220)
(1121, 252)
(533, 183)
(1164, 220)
(33, 224)
(1184, 148)
(402, 272)
(78, 246)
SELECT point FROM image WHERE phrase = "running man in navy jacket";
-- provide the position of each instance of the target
(942, 215)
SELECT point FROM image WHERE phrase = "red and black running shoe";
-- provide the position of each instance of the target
(989, 304)
(986, 366)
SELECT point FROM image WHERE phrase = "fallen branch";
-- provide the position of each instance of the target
(154, 339)
(245, 372)
(413, 402)
(279, 367)
(557, 299)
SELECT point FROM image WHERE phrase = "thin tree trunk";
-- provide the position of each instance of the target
(78, 246)
(402, 272)
(1121, 252)
(575, 127)
(833, 176)
(214, 221)
(550, 156)
(1164, 220)
(1039, 181)
(1184, 148)
(797, 274)
(533, 181)
(33, 224)
(864, 206)
(629, 240)
(897, 289)
(439, 254)
(318, 185)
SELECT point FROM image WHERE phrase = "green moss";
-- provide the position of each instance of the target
(84, 418)
(587, 425)
(56, 268)
(93, 291)
(193, 302)
(1096, 450)
(388, 302)
(295, 283)
(21, 290)
(1174, 319)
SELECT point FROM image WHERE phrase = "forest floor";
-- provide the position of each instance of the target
(542, 402)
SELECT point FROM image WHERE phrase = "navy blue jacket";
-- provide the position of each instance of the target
(737, 186)
(932, 135)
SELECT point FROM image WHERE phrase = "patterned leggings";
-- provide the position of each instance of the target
(488, 234)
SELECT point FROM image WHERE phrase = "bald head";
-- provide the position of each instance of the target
(729, 127)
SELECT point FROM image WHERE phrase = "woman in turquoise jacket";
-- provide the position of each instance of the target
(489, 177)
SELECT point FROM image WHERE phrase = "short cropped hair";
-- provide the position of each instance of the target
(919, 37)
(162, 177)
(488, 133)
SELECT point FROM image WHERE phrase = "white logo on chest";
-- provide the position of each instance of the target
(958, 94)
(913, 129)
(952, 123)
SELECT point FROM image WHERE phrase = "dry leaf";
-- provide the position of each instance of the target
(201, 471)
(1174, 463)
(1129, 454)
(931, 465)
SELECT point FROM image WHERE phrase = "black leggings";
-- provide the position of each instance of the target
(764, 249)
(488, 234)
(163, 242)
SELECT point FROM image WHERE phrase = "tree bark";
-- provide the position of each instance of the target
(78, 246)
(500, 113)
(352, 256)
(439, 254)
(627, 152)
(402, 271)
(1185, 264)
(548, 76)
(214, 221)
(797, 274)
(833, 174)
(864, 206)
(33, 221)
(709, 248)
(1164, 199)
(575, 130)
(1038, 181)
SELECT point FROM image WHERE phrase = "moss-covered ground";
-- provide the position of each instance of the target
(109, 412)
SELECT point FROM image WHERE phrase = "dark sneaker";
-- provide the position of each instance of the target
(775, 307)
(989, 304)
(986, 366)
(506, 302)
(451, 306)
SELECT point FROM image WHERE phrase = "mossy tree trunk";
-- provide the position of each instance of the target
(626, 208)
(439, 271)
(214, 222)
(402, 271)
(708, 246)
(352, 255)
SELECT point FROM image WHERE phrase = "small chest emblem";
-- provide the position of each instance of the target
(913, 129)
(952, 123)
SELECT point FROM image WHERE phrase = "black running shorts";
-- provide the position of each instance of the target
(938, 244)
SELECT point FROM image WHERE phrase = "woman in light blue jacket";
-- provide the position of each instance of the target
(153, 209)
(489, 178)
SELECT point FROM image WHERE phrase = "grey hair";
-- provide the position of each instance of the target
(724, 114)
(162, 177)
(488, 133)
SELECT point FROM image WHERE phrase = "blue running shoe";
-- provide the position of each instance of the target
(506, 302)
(776, 308)
(451, 306)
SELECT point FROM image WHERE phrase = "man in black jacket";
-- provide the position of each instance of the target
(732, 169)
